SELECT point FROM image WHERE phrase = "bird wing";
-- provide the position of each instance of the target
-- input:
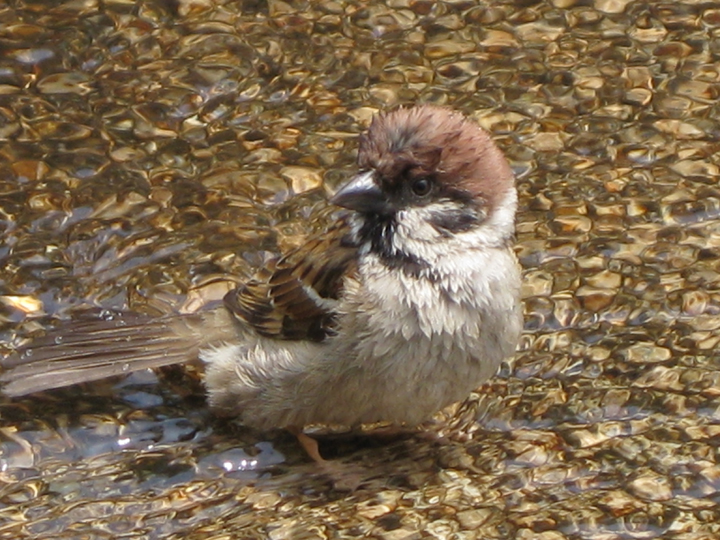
(294, 297)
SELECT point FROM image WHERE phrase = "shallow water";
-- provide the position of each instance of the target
(152, 150)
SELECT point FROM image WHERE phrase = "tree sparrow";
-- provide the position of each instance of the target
(408, 303)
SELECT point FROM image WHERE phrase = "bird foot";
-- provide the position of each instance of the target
(344, 477)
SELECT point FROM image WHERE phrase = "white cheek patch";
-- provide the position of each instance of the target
(416, 222)
(418, 235)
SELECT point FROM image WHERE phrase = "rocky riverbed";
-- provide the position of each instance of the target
(154, 152)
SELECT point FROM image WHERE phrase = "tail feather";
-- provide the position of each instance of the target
(89, 351)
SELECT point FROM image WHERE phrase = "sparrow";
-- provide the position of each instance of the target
(406, 304)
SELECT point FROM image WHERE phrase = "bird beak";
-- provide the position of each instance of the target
(363, 195)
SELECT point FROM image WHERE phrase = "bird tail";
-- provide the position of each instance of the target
(84, 351)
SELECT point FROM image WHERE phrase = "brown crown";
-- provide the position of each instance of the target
(428, 139)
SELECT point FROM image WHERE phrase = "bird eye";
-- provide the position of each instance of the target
(421, 187)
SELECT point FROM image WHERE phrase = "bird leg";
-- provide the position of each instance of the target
(343, 477)
(309, 444)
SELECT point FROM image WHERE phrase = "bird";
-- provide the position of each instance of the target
(405, 304)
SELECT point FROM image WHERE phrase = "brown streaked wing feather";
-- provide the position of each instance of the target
(293, 297)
